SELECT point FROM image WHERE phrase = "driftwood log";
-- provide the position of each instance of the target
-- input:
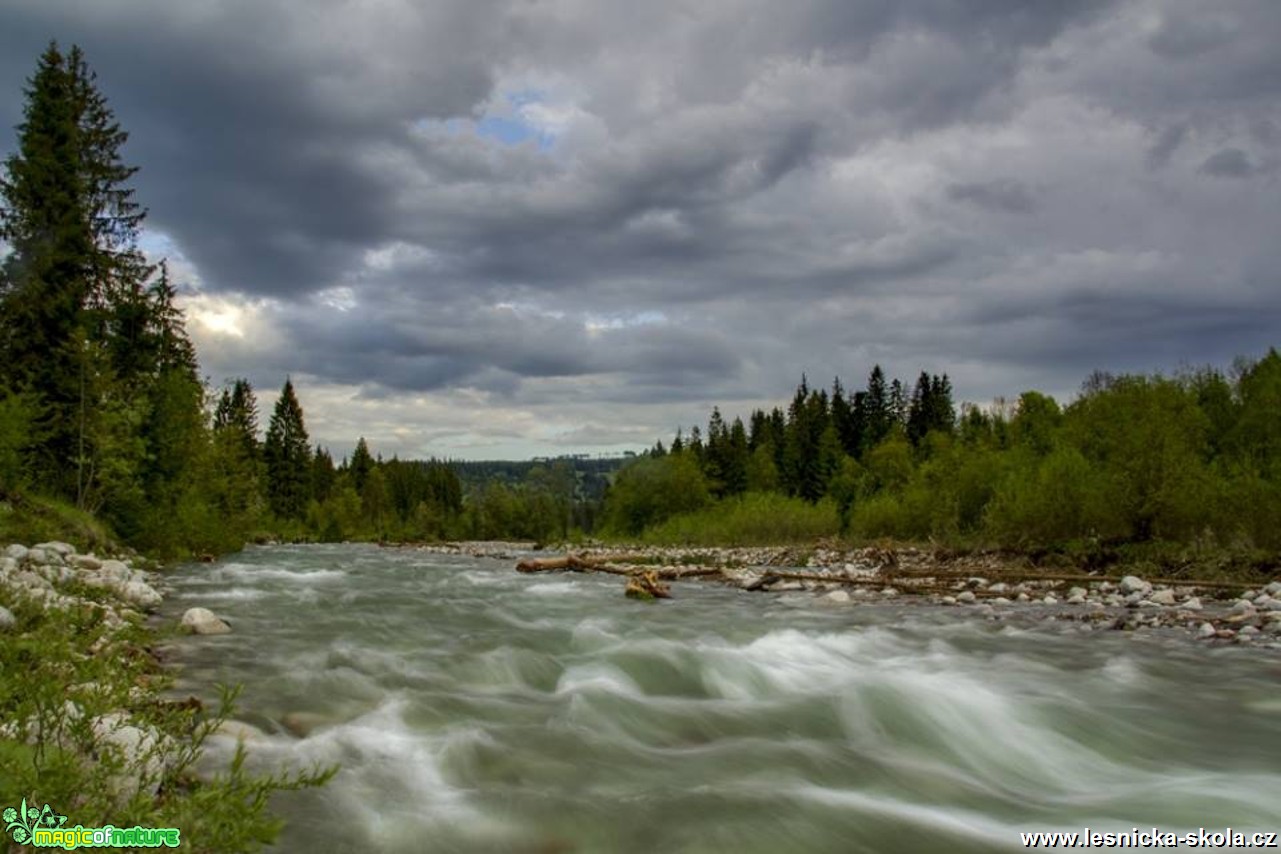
(645, 585)
(918, 581)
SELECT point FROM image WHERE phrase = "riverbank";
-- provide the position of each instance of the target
(91, 726)
(978, 584)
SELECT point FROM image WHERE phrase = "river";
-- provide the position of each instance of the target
(474, 709)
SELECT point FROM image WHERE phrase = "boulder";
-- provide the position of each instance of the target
(85, 562)
(838, 596)
(16, 551)
(1164, 596)
(966, 597)
(1274, 589)
(1243, 608)
(7, 620)
(138, 593)
(239, 730)
(115, 570)
(1134, 584)
(202, 621)
(142, 752)
(302, 724)
(60, 549)
(1206, 631)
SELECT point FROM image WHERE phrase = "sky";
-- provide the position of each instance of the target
(504, 228)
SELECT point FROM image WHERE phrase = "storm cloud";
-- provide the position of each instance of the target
(503, 228)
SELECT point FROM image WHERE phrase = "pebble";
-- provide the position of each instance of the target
(1164, 596)
(966, 598)
(1206, 631)
(839, 596)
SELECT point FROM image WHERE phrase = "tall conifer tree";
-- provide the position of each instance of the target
(287, 454)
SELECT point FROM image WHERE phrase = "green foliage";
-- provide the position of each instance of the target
(752, 519)
(18, 415)
(650, 491)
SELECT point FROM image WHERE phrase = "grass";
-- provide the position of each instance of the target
(29, 519)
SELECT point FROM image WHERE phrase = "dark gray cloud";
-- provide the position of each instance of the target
(1228, 163)
(501, 227)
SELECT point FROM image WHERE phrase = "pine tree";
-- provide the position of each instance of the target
(71, 225)
(362, 463)
(287, 455)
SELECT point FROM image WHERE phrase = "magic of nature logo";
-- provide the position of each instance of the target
(46, 828)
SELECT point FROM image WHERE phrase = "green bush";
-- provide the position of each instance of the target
(753, 519)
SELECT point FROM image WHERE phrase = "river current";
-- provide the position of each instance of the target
(474, 709)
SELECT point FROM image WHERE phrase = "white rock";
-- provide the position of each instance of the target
(7, 620)
(1076, 599)
(1205, 630)
(202, 621)
(1164, 596)
(966, 597)
(1274, 589)
(889, 593)
(1134, 584)
(30, 580)
(1243, 607)
(142, 751)
(140, 594)
(60, 549)
(1114, 600)
(1000, 600)
(38, 555)
(976, 582)
(1193, 604)
(998, 587)
(115, 570)
(1050, 600)
(16, 551)
(948, 600)
(85, 562)
(1077, 591)
(1023, 597)
(839, 596)
(1247, 632)
(1272, 605)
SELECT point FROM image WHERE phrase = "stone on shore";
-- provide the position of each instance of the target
(1206, 631)
(202, 621)
(838, 596)
(140, 593)
(1133, 584)
(1164, 596)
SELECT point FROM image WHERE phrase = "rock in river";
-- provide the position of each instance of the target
(202, 621)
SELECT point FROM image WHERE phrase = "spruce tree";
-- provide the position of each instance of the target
(71, 226)
(287, 455)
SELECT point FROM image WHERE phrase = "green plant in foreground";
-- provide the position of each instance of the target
(86, 730)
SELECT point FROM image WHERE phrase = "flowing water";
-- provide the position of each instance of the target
(476, 709)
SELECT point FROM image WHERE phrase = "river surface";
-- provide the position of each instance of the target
(474, 709)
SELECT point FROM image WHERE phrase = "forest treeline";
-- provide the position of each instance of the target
(1192, 459)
